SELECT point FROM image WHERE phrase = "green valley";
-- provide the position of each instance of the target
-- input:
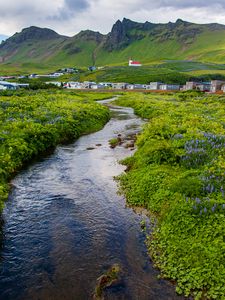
(40, 49)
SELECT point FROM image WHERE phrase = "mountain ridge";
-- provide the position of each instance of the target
(146, 41)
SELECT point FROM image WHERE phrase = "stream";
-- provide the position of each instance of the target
(64, 225)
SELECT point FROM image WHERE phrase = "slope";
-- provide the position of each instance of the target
(40, 48)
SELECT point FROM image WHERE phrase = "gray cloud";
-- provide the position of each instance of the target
(70, 8)
(191, 3)
(70, 16)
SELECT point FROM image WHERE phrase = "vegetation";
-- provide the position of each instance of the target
(110, 278)
(114, 142)
(177, 72)
(42, 50)
(32, 122)
(178, 173)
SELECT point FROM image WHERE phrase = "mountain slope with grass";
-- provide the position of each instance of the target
(41, 48)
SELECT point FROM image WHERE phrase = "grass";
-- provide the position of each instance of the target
(32, 122)
(177, 173)
(205, 50)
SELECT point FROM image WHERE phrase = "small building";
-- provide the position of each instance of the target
(119, 85)
(216, 85)
(88, 84)
(204, 87)
(4, 85)
(31, 76)
(130, 86)
(54, 75)
(133, 63)
(223, 88)
(169, 87)
(154, 86)
(191, 85)
(97, 86)
(23, 85)
(73, 85)
(69, 70)
(106, 84)
(22, 77)
(139, 86)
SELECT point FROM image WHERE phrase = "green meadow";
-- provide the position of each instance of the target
(178, 174)
(32, 123)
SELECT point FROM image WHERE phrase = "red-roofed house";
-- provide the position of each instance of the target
(133, 63)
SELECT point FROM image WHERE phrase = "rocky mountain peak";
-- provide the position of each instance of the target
(33, 33)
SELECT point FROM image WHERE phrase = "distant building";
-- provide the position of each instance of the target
(133, 63)
(139, 86)
(88, 84)
(31, 76)
(154, 86)
(23, 85)
(130, 86)
(54, 75)
(4, 85)
(69, 70)
(216, 85)
(119, 85)
(97, 86)
(223, 88)
(106, 84)
(136, 86)
(74, 85)
(191, 85)
(169, 87)
(204, 87)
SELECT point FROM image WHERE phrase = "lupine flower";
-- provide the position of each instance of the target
(198, 201)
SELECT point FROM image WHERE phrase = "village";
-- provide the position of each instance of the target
(213, 86)
(209, 87)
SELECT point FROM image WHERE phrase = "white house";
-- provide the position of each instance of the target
(4, 85)
(74, 85)
(130, 86)
(119, 85)
(223, 88)
(133, 63)
(169, 87)
(154, 86)
(216, 85)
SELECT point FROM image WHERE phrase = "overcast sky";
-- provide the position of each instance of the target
(70, 16)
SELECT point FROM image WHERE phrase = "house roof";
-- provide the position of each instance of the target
(135, 62)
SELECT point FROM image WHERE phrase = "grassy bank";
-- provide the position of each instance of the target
(33, 122)
(178, 173)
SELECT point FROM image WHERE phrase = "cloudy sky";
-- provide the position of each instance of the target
(70, 16)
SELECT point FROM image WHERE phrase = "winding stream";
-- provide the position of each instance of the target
(65, 225)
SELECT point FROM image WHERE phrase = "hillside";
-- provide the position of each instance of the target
(40, 48)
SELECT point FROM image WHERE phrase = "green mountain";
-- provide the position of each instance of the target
(40, 48)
